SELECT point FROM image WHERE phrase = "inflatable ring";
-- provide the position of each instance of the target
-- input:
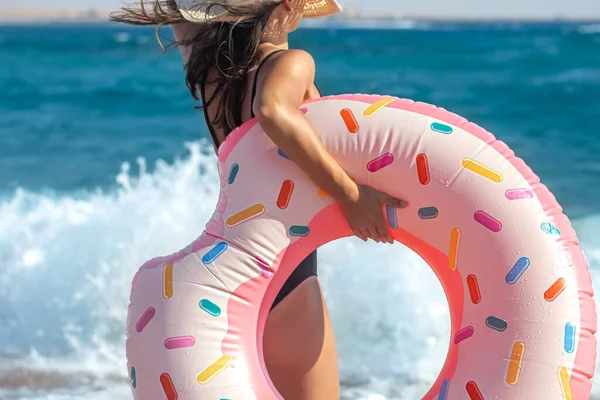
(519, 292)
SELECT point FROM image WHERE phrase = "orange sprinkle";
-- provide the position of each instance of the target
(168, 281)
(556, 289)
(474, 289)
(515, 363)
(245, 215)
(322, 194)
(349, 120)
(423, 169)
(453, 251)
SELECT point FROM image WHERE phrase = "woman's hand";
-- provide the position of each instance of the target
(364, 214)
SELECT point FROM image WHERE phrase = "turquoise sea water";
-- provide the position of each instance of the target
(104, 164)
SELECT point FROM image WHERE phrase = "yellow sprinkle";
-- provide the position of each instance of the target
(245, 215)
(482, 170)
(168, 281)
(515, 363)
(376, 107)
(453, 250)
(215, 369)
(565, 383)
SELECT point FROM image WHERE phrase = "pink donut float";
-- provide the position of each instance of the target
(522, 315)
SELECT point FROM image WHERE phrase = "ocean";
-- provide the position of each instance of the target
(104, 164)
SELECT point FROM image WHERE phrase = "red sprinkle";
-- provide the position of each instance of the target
(473, 391)
(423, 169)
(285, 194)
(474, 289)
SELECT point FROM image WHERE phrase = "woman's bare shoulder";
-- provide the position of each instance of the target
(295, 63)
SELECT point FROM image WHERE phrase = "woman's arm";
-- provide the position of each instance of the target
(277, 110)
(276, 107)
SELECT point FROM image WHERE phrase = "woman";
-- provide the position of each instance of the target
(239, 65)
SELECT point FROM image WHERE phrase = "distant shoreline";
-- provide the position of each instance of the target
(44, 15)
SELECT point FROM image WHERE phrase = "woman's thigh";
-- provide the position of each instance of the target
(299, 346)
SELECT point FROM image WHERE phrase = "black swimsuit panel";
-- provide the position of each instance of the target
(308, 267)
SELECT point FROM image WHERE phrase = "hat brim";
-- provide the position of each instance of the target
(192, 13)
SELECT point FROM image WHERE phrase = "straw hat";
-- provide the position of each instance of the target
(193, 10)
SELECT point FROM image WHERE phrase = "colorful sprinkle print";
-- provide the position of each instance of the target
(519, 194)
(350, 120)
(179, 342)
(496, 324)
(444, 390)
(550, 229)
(168, 387)
(482, 170)
(168, 281)
(517, 270)
(214, 369)
(474, 291)
(454, 247)
(565, 383)
(282, 154)
(265, 269)
(245, 215)
(428, 213)
(473, 391)
(463, 334)
(377, 106)
(488, 221)
(210, 307)
(556, 289)
(214, 253)
(380, 162)
(570, 337)
(441, 128)
(145, 319)
(392, 216)
(233, 173)
(299, 231)
(133, 378)
(213, 305)
(285, 194)
(515, 363)
(423, 169)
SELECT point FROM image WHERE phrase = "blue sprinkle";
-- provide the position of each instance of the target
(549, 228)
(214, 253)
(441, 128)
(517, 270)
(496, 324)
(444, 390)
(301, 231)
(282, 154)
(392, 216)
(210, 307)
(428, 213)
(233, 173)
(570, 333)
(133, 378)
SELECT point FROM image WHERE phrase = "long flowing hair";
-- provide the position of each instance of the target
(231, 47)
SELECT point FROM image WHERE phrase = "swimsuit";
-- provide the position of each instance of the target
(308, 267)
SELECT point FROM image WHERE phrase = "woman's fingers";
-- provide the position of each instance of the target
(394, 202)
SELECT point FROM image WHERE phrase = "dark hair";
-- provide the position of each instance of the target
(231, 47)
